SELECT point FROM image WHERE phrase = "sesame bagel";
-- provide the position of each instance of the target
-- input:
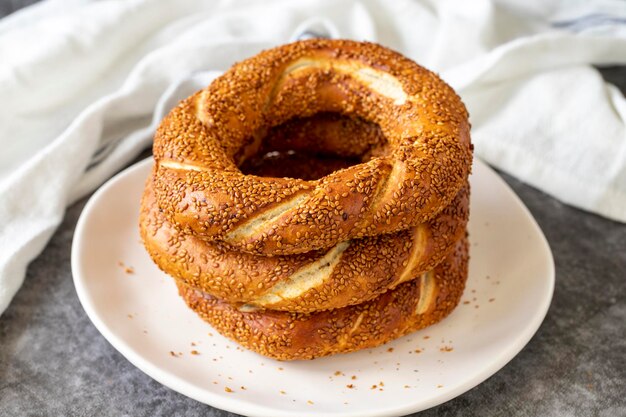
(348, 273)
(402, 181)
(287, 336)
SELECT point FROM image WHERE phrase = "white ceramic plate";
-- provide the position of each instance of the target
(137, 309)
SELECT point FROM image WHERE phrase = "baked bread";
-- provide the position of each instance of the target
(415, 172)
(287, 336)
(361, 244)
(349, 273)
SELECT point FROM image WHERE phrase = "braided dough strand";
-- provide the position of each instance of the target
(287, 336)
(348, 273)
(418, 171)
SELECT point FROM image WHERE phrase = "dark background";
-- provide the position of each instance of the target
(53, 362)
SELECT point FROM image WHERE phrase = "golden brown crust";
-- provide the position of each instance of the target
(349, 273)
(288, 336)
(200, 144)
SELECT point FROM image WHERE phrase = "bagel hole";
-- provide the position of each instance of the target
(310, 148)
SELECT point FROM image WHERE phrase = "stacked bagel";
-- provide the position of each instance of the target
(314, 199)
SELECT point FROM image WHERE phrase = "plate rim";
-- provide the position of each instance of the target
(239, 406)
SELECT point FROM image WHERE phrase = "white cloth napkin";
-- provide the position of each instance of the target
(83, 85)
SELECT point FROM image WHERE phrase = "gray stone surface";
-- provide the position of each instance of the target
(53, 362)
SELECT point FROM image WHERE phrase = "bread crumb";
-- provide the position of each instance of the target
(491, 300)
(127, 269)
(309, 402)
(353, 377)
(173, 354)
(350, 386)
(426, 337)
(195, 352)
(446, 349)
(390, 349)
(243, 388)
(439, 386)
(282, 392)
(227, 389)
